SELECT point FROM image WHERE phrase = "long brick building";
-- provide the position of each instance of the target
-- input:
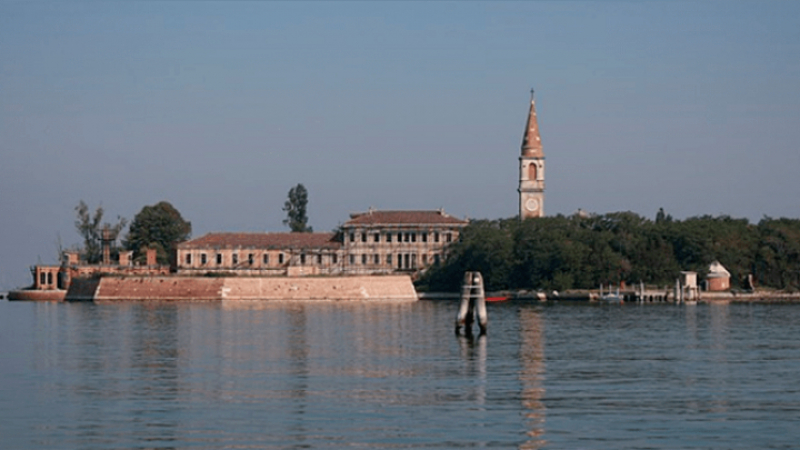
(371, 242)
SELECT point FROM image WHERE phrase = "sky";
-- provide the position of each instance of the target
(221, 107)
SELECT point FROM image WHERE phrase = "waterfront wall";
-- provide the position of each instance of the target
(171, 288)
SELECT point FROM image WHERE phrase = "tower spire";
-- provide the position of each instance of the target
(531, 141)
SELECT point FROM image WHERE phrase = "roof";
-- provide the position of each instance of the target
(531, 141)
(434, 217)
(263, 240)
(717, 270)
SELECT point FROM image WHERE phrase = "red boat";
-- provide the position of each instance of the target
(496, 299)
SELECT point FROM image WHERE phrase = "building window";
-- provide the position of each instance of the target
(319, 259)
(235, 259)
(188, 258)
(449, 237)
(436, 237)
(413, 237)
(302, 258)
(425, 260)
(352, 260)
(406, 258)
(389, 259)
(377, 237)
(219, 259)
(377, 259)
(364, 259)
(280, 258)
(49, 277)
(334, 258)
(413, 260)
(424, 237)
(203, 259)
(363, 237)
(399, 260)
(42, 278)
(388, 237)
(266, 259)
(407, 237)
(352, 237)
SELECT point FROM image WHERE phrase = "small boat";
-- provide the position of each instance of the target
(610, 297)
(496, 299)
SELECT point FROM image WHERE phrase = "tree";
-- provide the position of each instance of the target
(90, 227)
(160, 227)
(295, 208)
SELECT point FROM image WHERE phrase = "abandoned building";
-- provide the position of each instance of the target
(372, 242)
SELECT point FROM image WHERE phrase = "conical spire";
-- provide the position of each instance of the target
(531, 141)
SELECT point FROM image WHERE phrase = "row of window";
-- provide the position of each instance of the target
(404, 260)
(401, 237)
(251, 259)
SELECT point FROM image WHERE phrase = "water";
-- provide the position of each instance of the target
(356, 375)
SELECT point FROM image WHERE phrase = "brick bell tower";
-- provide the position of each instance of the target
(531, 169)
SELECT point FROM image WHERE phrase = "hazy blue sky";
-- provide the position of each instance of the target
(220, 108)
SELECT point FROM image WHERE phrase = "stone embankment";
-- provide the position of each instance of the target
(172, 288)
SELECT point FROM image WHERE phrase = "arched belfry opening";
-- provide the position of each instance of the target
(531, 174)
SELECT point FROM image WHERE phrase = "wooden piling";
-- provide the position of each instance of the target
(473, 304)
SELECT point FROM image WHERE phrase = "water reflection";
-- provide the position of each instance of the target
(532, 375)
(473, 353)
(321, 375)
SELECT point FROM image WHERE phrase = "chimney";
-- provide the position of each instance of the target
(125, 258)
(151, 257)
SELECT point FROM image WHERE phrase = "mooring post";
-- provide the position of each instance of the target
(473, 304)
(464, 308)
(479, 300)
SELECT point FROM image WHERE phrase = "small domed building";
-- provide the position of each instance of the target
(718, 278)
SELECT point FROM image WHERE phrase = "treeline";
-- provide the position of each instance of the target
(581, 252)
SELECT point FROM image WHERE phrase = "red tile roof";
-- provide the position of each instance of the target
(263, 241)
(373, 217)
(531, 141)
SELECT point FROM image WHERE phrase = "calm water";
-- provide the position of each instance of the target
(340, 375)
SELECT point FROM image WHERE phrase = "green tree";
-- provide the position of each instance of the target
(90, 226)
(295, 207)
(160, 227)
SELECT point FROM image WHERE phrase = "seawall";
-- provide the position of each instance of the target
(177, 288)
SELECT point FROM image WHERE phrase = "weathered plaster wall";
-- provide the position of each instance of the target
(244, 288)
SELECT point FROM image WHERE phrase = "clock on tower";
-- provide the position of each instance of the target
(531, 169)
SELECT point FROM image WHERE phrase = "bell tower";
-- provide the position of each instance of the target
(531, 169)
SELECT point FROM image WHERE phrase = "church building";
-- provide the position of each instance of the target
(531, 169)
